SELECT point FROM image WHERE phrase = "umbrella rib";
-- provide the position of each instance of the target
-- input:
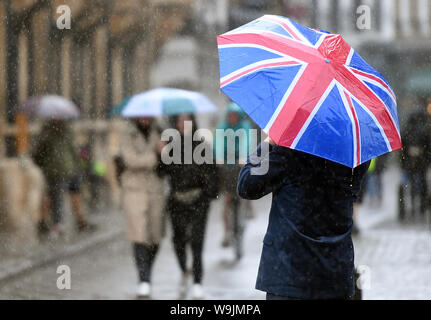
(371, 96)
(371, 114)
(253, 68)
(312, 114)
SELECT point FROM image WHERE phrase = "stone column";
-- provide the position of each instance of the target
(87, 80)
(414, 16)
(333, 16)
(345, 16)
(3, 77)
(101, 54)
(428, 4)
(117, 75)
(424, 17)
(41, 50)
(405, 18)
(323, 7)
(128, 70)
(141, 75)
(23, 72)
(66, 63)
(388, 19)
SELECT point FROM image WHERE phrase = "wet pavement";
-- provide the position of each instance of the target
(107, 271)
(394, 257)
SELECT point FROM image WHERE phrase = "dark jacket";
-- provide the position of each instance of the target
(308, 250)
(416, 142)
(186, 177)
(55, 153)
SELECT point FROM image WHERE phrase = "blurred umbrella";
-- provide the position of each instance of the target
(51, 107)
(167, 101)
(309, 90)
(116, 111)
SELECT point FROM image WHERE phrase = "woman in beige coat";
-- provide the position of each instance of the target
(140, 148)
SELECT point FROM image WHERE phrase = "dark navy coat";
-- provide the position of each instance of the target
(308, 250)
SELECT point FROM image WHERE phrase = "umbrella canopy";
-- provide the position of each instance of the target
(116, 110)
(309, 90)
(50, 106)
(167, 101)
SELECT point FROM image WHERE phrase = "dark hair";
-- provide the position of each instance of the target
(173, 120)
(145, 130)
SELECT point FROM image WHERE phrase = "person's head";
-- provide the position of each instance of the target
(234, 114)
(233, 118)
(56, 126)
(144, 122)
(179, 123)
(428, 104)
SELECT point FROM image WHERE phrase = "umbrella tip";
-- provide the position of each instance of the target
(327, 60)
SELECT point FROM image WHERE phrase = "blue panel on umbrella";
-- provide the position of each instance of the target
(265, 25)
(330, 134)
(387, 99)
(372, 142)
(232, 59)
(359, 63)
(177, 105)
(310, 34)
(261, 104)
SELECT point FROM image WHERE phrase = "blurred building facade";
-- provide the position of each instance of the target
(102, 58)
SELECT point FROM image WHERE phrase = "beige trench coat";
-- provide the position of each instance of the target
(142, 188)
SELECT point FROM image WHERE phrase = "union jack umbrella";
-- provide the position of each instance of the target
(309, 90)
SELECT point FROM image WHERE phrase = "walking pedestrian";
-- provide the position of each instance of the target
(415, 161)
(56, 155)
(139, 155)
(74, 189)
(307, 250)
(236, 125)
(192, 186)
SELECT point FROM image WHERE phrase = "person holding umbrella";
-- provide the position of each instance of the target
(55, 153)
(57, 157)
(191, 185)
(327, 113)
(138, 159)
(234, 124)
(307, 251)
